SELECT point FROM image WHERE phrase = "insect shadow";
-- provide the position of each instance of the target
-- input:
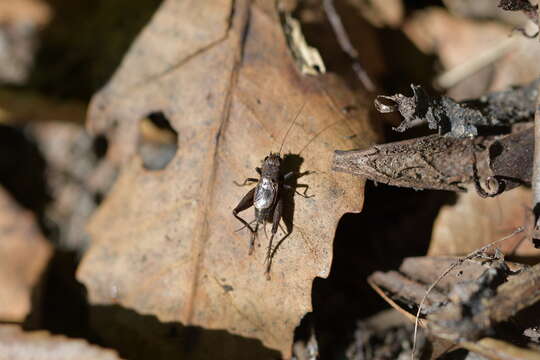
(291, 164)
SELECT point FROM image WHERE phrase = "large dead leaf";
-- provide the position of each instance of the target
(39, 345)
(164, 242)
(21, 240)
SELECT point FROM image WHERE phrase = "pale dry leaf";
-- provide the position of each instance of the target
(36, 12)
(381, 13)
(21, 240)
(164, 242)
(16, 344)
(307, 57)
(473, 222)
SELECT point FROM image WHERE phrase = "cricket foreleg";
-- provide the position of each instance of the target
(246, 203)
(246, 182)
(278, 210)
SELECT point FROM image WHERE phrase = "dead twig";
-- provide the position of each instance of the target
(536, 177)
(450, 268)
(460, 72)
(346, 45)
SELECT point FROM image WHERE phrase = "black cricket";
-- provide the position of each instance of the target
(267, 197)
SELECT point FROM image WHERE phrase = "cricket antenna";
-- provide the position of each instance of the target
(290, 127)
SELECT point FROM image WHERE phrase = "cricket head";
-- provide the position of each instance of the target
(271, 166)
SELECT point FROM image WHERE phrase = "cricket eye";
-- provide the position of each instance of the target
(158, 141)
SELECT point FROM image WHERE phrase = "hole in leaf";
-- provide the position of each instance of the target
(158, 141)
(100, 145)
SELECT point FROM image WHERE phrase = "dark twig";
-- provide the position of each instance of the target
(536, 177)
(458, 262)
(346, 45)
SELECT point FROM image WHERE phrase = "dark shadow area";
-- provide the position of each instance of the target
(291, 163)
(158, 141)
(411, 6)
(23, 172)
(144, 337)
(528, 318)
(405, 63)
(304, 329)
(395, 223)
(60, 304)
(100, 145)
(459, 354)
(85, 42)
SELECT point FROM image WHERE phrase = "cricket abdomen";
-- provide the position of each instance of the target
(262, 214)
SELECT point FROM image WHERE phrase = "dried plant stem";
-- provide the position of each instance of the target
(460, 72)
(536, 176)
(346, 45)
(458, 262)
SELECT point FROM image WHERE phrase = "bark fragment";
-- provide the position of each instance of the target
(478, 295)
(493, 163)
(463, 119)
(432, 162)
(511, 159)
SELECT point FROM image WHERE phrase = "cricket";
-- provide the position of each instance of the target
(267, 197)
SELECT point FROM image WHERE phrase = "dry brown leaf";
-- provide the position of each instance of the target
(16, 344)
(21, 240)
(491, 58)
(164, 242)
(473, 222)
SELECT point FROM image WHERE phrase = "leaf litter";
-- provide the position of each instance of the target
(206, 91)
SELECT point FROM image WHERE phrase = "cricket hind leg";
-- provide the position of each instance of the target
(246, 203)
(252, 239)
(278, 211)
(244, 226)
